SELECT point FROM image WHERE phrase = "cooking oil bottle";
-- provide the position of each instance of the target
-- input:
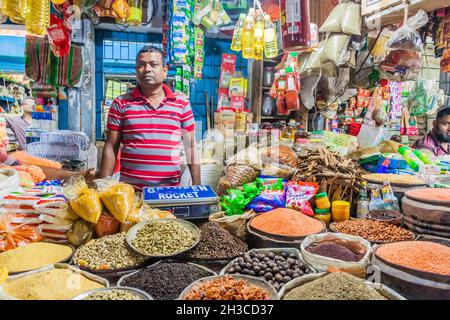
(37, 17)
(135, 17)
(247, 36)
(236, 42)
(258, 34)
(15, 10)
(270, 38)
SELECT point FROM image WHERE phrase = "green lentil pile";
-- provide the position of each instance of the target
(113, 295)
(334, 286)
(163, 238)
(107, 253)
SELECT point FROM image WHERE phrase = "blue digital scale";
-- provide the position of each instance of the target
(193, 202)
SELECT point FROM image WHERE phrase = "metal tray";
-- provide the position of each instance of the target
(61, 261)
(382, 289)
(294, 251)
(4, 296)
(122, 279)
(252, 280)
(140, 293)
(131, 235)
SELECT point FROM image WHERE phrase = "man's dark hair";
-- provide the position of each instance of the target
(443, 113)
(151, 49)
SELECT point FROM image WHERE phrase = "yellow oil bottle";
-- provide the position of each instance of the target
(236, 42)
(258, 34)
(37, 17)
(270, 38)
(247, 36)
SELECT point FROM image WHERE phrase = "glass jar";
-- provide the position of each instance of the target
(340, 210)
(323, 214)
(322, 201)
(269, 107)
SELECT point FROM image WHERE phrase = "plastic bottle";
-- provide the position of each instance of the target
(410, 157)
(37, 18)
(295, 24)
(362, 203)
(270, 38)
(340, 210)
(135, 17)
(292, 99)
(323, 214)
(258, 34)
(322, 201)
(376, 202)
(390, 200)
(15, 10)
(247, 36)
(281, 94)
(236, 42)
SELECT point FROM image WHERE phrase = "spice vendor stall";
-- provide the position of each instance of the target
(315, 183)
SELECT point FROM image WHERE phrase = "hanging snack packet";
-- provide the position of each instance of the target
(298, 195)
(85, 202)
(117, 196)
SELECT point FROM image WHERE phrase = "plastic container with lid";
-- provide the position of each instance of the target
(323, 214)
(340, 210)
(322, 201)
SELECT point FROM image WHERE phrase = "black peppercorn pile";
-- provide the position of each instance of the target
(276, 268)
(165, 281)
(216, 243)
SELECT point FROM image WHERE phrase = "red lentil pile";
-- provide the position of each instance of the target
(419, 255)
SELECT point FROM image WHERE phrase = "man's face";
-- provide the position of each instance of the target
(150, 71)
(442, 126)
(27, 108)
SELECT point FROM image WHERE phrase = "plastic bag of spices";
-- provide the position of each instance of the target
(117, 196)
(84, 202)
(333, 23)
(407, 37)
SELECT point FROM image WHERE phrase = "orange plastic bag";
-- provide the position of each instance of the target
(12, 236)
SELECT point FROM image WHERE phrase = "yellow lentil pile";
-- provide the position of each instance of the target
(393, 178)
(34, 256)
(55, 284)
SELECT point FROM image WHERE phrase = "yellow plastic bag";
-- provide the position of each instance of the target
(84, 202)
(118, 197)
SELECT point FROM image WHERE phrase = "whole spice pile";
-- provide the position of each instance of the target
(115, 294)
(276, 268)
(55, 284)
(165, 281)
(420, 255)
(334, 286)
(373, 230)
(216, 243)
(335, 251)
(227, 288)
(163, 238)
(107, 253)
(286, 222)
(34, 256)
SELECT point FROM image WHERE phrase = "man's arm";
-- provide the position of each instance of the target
(190, 147)
(110, 151)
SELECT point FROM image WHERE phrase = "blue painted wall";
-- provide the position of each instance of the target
(12, 54)
(116, 64)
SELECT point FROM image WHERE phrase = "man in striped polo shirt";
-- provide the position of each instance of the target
(150, 124)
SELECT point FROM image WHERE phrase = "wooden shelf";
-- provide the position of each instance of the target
(275, 117)
(394, 14)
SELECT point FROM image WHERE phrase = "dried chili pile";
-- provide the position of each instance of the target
(227, 288)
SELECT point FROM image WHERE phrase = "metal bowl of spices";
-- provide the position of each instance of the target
(163, 238)
(114, 293)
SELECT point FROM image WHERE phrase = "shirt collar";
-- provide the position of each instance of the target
(438, 145)
(137, 93)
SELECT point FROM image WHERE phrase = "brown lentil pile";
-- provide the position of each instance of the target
(373, 230)
(335, 286)
(216, 243)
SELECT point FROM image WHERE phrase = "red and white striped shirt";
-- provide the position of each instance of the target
(151, 137)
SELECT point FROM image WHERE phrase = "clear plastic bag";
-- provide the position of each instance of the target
(407, 37)
(351, 22)
(84, 202)
(333, 23)
(335, 48)
(12, 236)
(417, 100)
(118, 197)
